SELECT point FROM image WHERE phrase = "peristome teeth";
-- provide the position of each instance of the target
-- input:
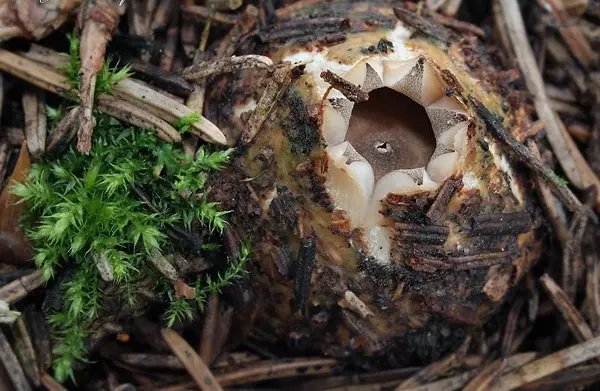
(337, 152)
(334, 125)
(448, 138)
(442, 166)
(460, 140)
(396, 70)
(396, 182)
(412, 84)
(362, 172)
(367, 74)
(445, 114)
(433, 90)
(349, 185)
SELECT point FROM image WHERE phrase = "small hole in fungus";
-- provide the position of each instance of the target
(391, 131)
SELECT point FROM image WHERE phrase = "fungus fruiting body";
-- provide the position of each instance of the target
(392, 221)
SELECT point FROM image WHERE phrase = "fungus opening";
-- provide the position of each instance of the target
(391, 132)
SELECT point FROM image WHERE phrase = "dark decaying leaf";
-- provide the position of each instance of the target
(14, 247)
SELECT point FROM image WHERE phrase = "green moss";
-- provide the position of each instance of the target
(107, 77)
(83, 209)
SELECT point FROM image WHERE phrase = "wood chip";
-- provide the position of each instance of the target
(34, 108)
(191, 360)
(572, 261)
(63, 132)
(139, 105)
(166, 108)
(424, 26)
(245, 23)
(38, 331)
(163, 266)
(137, 116)
(356, 305)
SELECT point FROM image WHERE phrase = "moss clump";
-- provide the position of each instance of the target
(105, 214)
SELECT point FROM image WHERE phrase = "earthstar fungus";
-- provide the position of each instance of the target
(395, 221)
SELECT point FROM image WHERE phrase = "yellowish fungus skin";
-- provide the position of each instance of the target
(433, 255)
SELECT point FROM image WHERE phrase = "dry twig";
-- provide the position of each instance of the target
(203, 69)
(350, 90)
(275, 89)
